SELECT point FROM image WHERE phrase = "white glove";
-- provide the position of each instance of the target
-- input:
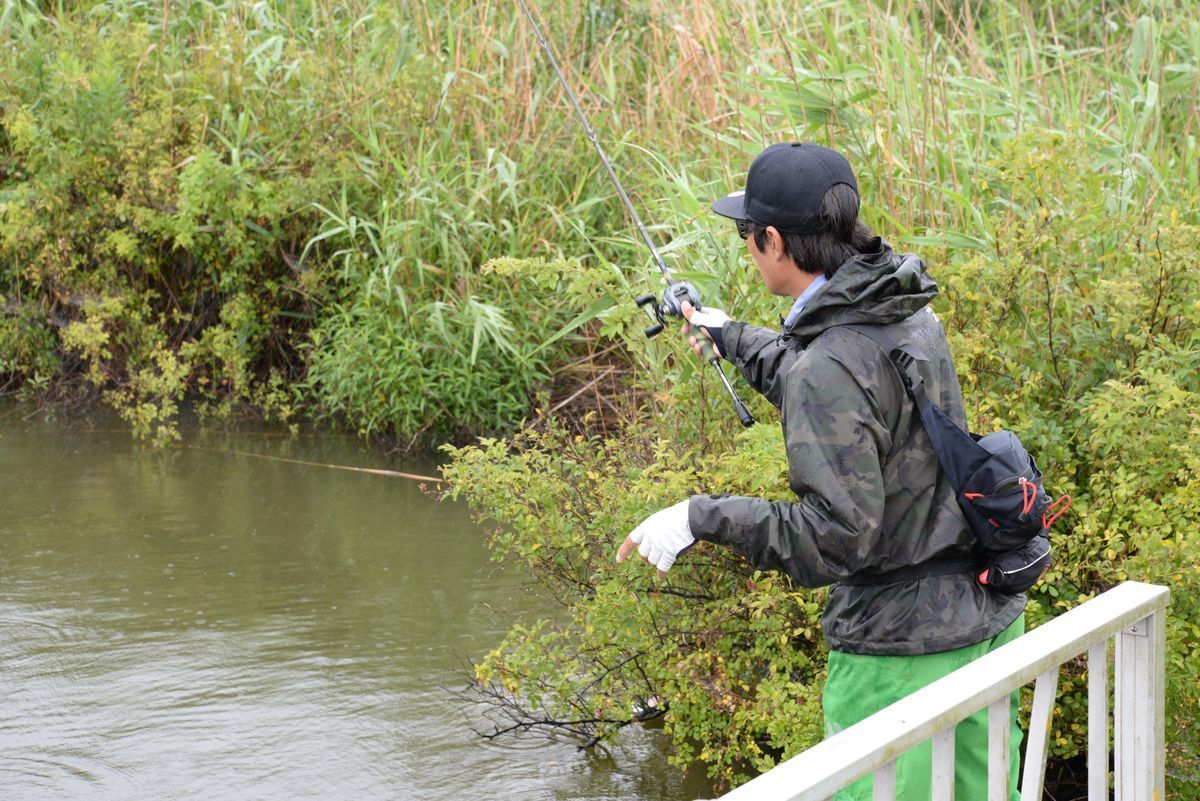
(661, 537)
(709, 318)
(712, 321)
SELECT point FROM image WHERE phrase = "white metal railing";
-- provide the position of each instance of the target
(1133, 613)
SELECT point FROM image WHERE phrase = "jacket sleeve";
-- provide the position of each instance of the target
(836, 443)
(763, 359)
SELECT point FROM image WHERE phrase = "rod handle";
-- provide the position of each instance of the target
(743, 413)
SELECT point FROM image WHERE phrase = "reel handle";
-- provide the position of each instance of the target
(651, 300)
(645, 300)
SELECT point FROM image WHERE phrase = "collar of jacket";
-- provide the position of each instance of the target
(876, 287)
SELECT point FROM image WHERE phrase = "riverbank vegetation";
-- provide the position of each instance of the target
(384, 216)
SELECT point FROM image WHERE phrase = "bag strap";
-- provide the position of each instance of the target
(934, 567)
(957, 450)
(902, 360)
(906, 369)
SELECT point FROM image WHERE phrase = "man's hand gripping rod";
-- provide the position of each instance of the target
(677, 291)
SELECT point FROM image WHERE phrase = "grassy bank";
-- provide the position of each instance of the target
(384, 215)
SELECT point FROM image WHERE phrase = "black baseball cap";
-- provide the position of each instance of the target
(785, 187)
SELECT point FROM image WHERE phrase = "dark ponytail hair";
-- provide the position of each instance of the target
(842, 235)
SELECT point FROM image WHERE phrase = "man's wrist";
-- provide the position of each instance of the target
(731, 334)
(696, 516)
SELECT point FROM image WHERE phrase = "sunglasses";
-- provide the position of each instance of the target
(743, 228)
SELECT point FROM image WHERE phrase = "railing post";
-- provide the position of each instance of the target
(943, 765)
(1139, 731)
(1097, 757)
(1041, 718)
(999, 732)
(885, 783)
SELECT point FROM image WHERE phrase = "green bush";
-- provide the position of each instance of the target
(736, 653)
(151, 259)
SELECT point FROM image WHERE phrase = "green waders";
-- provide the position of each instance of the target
(859, 686)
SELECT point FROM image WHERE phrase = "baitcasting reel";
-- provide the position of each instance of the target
(672, 306)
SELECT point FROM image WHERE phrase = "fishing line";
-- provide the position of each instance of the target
(376, 471)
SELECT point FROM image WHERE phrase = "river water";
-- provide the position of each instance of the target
(200, 623)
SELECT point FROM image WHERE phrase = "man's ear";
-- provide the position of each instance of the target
(774, 242)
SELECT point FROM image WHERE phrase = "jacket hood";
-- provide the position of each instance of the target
(879, 287)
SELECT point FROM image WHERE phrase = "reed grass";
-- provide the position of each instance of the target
(418, 141)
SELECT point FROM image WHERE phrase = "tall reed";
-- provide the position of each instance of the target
(410, 144)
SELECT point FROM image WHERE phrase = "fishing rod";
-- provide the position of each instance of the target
(677, 291)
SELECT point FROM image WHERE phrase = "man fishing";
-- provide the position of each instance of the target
(873, 517)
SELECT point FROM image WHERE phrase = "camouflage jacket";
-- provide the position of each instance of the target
(870, 496)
